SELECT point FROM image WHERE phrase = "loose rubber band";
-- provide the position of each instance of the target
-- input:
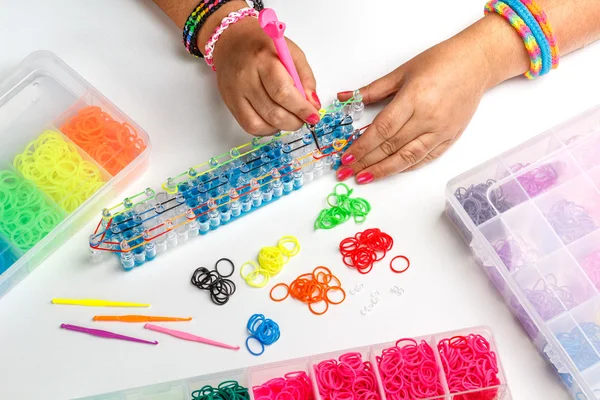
(403, 270)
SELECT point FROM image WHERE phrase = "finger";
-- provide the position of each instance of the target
(411, 154)
(306, 75)
(280, 87)
(385, 126)
(412, 130)
(249, 119)
(273, 113)
(378, 90)
(434, 154)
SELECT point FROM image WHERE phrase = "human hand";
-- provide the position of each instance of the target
(435, 97)
(255, 85)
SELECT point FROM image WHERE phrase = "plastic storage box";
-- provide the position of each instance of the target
(531, 217)
(255, 377)
(65, 151)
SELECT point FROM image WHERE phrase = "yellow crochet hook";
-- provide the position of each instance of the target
(97, 303)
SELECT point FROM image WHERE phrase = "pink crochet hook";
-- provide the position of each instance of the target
(275, 29)
(105, 334)
(189, 336)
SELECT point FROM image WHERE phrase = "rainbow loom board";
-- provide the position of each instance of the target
(65, 150)
(223, 189)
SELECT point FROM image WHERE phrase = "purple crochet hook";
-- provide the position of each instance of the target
(104, 334)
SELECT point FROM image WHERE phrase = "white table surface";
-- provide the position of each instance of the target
(132, 53)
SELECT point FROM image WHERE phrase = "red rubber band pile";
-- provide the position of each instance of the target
(409, 371)
(350, 378)
(365, 248)
(470, 364)
(313, 288)
(293, 386)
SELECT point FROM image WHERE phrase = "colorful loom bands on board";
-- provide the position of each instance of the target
(223, 189)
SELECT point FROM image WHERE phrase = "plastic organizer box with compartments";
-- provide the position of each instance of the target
(463, 365)
(65, 150)
(531, 217)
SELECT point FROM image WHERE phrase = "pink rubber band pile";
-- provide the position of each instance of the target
(409, 371)
(470, 364)
(350, 378)
(293, 386)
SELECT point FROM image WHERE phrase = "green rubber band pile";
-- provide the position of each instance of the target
(26, 215)
(342, 207)
(228, 390)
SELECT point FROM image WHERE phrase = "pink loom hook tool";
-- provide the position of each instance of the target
(275, 29)
(189, 336)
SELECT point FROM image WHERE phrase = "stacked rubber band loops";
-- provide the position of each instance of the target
(7, 255)
(481, 203)
(513, 253)
(26, 216)
(263, 330)
(112, 144)
(217, 284)
(228, 390)
(470, 364)
(293, 386)
(365, 248)
(350, 378)
(270, 261)
(570, 221)
(314, 288)
(409, 371)
(57, 168)
(342, 207)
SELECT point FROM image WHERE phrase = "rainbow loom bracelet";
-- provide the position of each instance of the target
(195, 21)
(531, 44)
(542, 19)
(526, 15)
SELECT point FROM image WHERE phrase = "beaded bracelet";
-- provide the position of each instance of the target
(195, 21)
(229, 20)
(531, 44)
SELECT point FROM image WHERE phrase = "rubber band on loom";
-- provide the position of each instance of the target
(112, 144)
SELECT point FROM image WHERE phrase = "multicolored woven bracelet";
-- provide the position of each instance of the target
(526, 15)
(531, 44)
(542, 19)
(229, 20)
(195, 21)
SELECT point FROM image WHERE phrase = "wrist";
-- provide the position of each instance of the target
(502, 50)
(208, 28)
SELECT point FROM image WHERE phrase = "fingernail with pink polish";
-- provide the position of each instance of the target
(313, 119)
(364, 178)
(344, 173)
(348, 159)
(345, 93)
(316, 98)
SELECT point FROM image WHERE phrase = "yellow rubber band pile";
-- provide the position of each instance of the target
(57, 168)
(270, 261)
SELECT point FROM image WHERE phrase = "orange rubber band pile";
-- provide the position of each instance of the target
(111, 143)
(313, 288)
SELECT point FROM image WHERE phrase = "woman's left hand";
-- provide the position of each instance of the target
(435, 97)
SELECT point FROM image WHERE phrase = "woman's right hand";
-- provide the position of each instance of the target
(255, 85)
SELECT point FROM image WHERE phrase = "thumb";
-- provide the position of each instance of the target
(377, 90)
(306, 74)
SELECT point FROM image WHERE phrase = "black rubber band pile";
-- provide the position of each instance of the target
(217, 284)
